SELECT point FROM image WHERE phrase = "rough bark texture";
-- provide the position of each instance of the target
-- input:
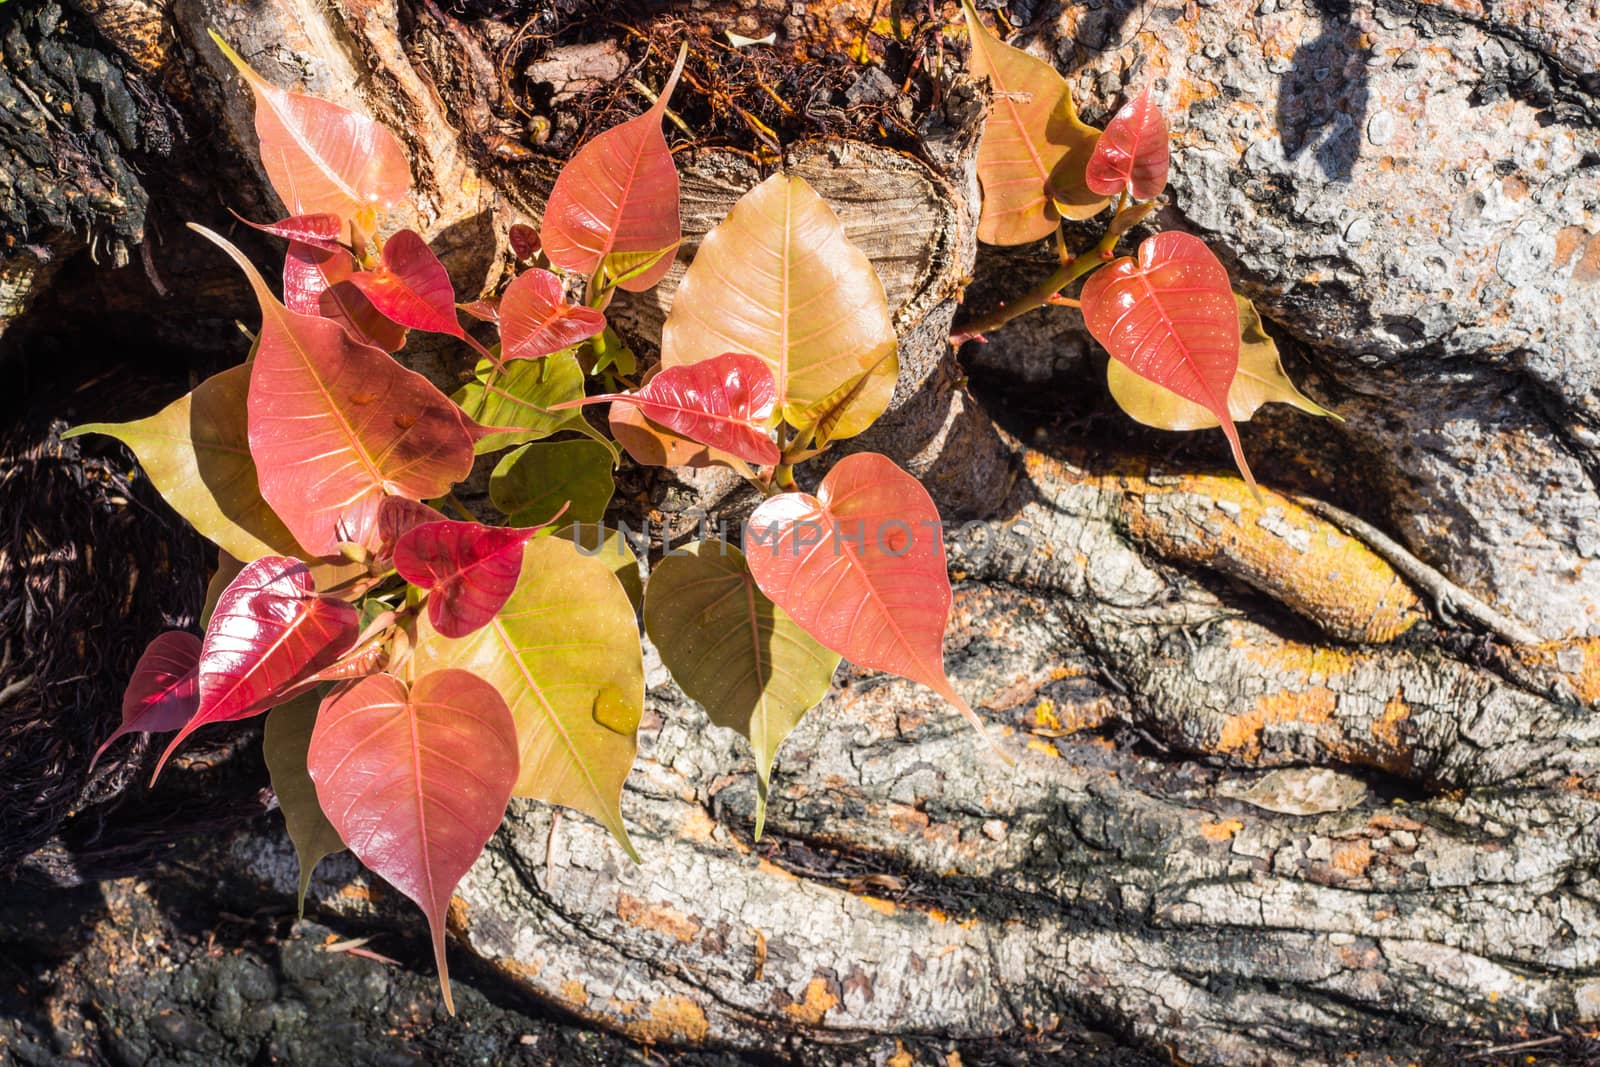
(1278, 797)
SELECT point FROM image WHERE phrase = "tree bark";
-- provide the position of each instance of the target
(1292, 783)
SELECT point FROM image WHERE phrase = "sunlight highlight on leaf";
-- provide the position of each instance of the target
(164, 691)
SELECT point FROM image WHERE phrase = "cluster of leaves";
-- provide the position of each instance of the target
(1186, 351)
(418, 671)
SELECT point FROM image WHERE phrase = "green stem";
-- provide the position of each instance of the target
(1037, 297)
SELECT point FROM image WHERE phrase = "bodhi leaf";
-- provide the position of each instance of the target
(724, 403)
(733, 650)
(564, 653)
(164, 691)
(657, 446)
(1133, 153)
(335, 426)
(316, 281)
(1032, 146)
(411, 287)
(779, 279)
(824, 417)
(228, 569)
(533, 485)
(860, 567)
(196, 453)
(536, 320)
(416, 782)
(611, 548)
(523, 394)
(322, 231)
(620, 268)
(1170, 317)
(618, 194)
(469, 570)
(322, 158)
(1260, 380)
(285, 744)
(270, 631)
(397, 516)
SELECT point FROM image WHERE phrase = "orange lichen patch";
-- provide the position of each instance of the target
(770, 869)
(1044, 715)
(1386, 728)
(521, 971)
(1241, 734)
(574, 993)
(1220, 831)
(457, 917)
(1588, 268)
(662, 918)
(1388, 822)
(356, 892)
(878, 904)
(1577, 661)
(672, 1019)
(817, 1001)
(1050, 719)
(1044, 748)
(906, 820)
(697, 824)
(1352, 859)
(901, 1057)
(1292, 657)
(1297, 558)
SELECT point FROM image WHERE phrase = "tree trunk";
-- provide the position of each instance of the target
(1310, 779)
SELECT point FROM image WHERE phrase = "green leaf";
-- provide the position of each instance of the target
(284, 744)
(610, 350)
(531, 484)
(741, 656)
(520, 394)
(196, 453)
(564, 652)
(610, 547)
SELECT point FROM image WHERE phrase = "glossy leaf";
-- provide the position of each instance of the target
(724, 403)
(741, 656)
(411, 287)
(533, 485)
(164, 691)
(1170, 317)
(270, 631)
(316, 281)
(779, 279)
(320, 231)
(416, 783)
(397, 516)
(227, 570)
(1260, 380)
(485, 310)
(524, 394)
(536, 320)
(322, 158)
(620, 268)
(860, 567)
(838, 408)
(618, 194)
(335, 426)
(611, 548)
(469, 569)
(657, 446)
(196, 453)
(564, 653)
(1032, 130)
(524, 242)
(285, 744)
(1133, 153)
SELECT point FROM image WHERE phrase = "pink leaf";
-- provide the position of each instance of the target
(471, 569)
(322, 231)
(316, 281)
(411, 286)
(485, 310)
(724, 402)
(1171, 318)
(619, 193)
(1133, 153)
(164, 691)
(860, 567)
(397, 515)
(269, 631)
(536, 320)
(416, 783)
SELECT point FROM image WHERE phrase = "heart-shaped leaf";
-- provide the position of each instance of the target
(321, 231)
(285, 744)
(525, 394)
(470, 569)
(396, 516)
(416, 783)
(1260, 380)
(270, 631)
(196, 453)
(1032, 143)
(164, 691)
(860, 567)
(724, 402)
(536, 320)
(524, 241)
(1170, 317)
(657, 446)
(538, 482)
(618, 194)
(564, 652)
(316, 281)
(335, 426)
(1133, 153)
(322, 158)
(779, 279)
(611, 548)
(733, 650)
(411, 287)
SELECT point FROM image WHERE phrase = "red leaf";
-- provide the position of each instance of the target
(1171, 318)
(270, 630)
(323, 231)
(471, 569)
(316, 281)
(416, 783)
(619, 193)
(485, 310)
(397, 515)
(524, 241)
(336, 426)
(1133, 153)
(164, 691)
(723, 402)
(860, 567)
(411, 286)
(536, 320)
